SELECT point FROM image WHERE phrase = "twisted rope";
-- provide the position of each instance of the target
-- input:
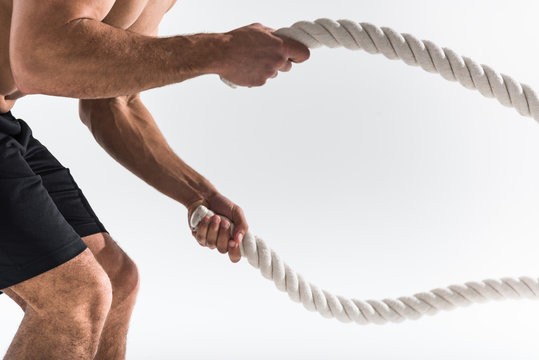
(451, 66)
(272, 267)
(415, 52)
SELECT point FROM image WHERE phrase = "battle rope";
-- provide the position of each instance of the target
(452, 67)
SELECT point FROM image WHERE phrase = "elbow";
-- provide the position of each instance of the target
(85, 113)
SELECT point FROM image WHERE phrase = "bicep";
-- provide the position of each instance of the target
(36, 25)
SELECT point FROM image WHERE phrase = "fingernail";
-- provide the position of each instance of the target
(240, 236)
(231, 244)
(206, 219)
(215, 220)
(225, 224)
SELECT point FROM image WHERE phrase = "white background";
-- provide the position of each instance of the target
(370, 178)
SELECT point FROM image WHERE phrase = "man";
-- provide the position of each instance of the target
(57, 261)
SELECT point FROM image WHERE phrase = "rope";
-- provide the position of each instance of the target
(429, 56)
(451, 66)
(272, 267)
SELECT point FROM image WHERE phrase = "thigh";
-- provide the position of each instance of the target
(35, 236)
(63, 189)
(65, 285)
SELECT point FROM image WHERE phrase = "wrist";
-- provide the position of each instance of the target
(217, 44)
(201, 188)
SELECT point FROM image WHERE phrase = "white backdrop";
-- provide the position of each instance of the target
(371, 178)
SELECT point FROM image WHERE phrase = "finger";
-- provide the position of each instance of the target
(240, 225)
(223, 237)
(234, 254)
(202, 230)
(263, 27)
(297, 52)
(274, 75)
(211, 238)
(286, 66)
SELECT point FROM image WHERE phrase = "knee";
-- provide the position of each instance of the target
(99, 300)
(120, 268)
(126, 280)
(87, 301)
(80, 309)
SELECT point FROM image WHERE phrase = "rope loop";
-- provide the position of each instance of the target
(451, 66)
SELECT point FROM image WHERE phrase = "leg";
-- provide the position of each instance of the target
(69, 200)
(45, 266)
(123, 275)
(65, 311)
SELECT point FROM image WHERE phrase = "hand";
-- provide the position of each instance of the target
(214, 233)
(253, 55)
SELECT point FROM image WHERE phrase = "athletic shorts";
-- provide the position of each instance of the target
(43, 213)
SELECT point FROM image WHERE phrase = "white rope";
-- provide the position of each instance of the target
(415, 52)
(452, 67)
(362, 312)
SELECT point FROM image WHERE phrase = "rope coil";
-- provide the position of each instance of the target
(452, 67)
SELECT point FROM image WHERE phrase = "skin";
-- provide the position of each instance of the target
(105, 52)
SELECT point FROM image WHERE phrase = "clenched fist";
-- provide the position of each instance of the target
(252, 55)
(214, 232)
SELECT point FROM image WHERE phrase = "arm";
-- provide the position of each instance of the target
(62, 48)
(128, 133)
(126, 130)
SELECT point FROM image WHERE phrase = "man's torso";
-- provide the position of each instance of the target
(141, 16)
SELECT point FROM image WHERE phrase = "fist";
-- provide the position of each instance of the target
(214, 232)
(252, 55)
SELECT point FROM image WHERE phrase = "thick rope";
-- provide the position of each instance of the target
(362, 312)
(414, 52)
(451, 66)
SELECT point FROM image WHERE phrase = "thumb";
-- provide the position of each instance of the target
(297, 52)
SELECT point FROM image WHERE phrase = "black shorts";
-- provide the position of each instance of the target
(43, 213)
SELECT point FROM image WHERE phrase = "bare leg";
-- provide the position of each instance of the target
(65, 311)
(124, 278)
(123, 275)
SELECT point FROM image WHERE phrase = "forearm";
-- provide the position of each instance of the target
(88, 59)
(129, 134)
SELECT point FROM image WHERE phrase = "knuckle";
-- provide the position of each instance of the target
(281, 58)
(221, 249)
(276, 60)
